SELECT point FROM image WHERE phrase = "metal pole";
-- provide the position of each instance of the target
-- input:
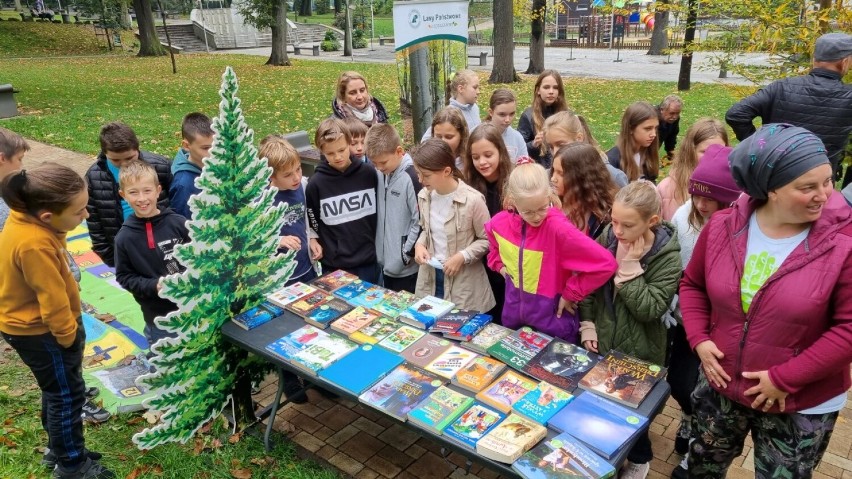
(372, 25)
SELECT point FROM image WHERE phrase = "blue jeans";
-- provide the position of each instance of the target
(439, 283)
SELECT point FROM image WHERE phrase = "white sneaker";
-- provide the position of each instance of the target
(634, 471)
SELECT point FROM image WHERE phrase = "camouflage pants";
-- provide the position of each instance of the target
(786, 446)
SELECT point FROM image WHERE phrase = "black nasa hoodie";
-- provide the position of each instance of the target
(342, 211)
(144, 252)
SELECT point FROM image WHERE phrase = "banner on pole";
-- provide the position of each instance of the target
(421, 21)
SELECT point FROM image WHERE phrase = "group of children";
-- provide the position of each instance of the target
(574, 242)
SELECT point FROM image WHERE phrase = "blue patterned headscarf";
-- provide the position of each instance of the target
(775, 155)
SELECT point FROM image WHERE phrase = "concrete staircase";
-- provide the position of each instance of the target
(306, 33)
(183, 37)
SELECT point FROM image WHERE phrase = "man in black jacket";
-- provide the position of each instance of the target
(669, 127)
(818, 101)
(107, 210)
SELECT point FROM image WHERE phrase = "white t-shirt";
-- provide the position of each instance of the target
(439, 211)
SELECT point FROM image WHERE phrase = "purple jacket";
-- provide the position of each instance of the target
(799, 325)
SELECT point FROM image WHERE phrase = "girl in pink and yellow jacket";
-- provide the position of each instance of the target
(549, 264)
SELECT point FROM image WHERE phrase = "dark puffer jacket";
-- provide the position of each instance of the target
(818, 101)
(105, 212)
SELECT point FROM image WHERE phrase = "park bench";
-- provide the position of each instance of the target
(483, 58)
(383, 40)
(309, 155)
(8, 106)
(315, 49)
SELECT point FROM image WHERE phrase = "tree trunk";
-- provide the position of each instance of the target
(823, 23)
(684, 77)
(149, 43)
(421, 101)
(124, 15)
(305, 9)
(18, 6)
(278, 56)
(338, 6)
(659, 38)
(347, 32)
(537, 37)
(504, 45)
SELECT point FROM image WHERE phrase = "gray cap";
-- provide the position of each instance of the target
(832, 47)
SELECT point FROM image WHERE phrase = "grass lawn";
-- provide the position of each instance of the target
(65, 101)
(213, 454)
(383, 24)
(38, 39)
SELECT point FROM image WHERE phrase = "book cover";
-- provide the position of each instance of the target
(479, 373)
(286, 295)
(287, 346)
(561, 364)
(323, 314)
(425, 312)
(402, 338)
(452, 321)
(490, 335)
(361, 368)
(600, 423)
(401, 390)
(474, 423)
(395, 303)
(334, 280)
(354, 289)
(542, 403)
(506, 390)
(511, 438)
(425, 350)
(622, 378)
(371, 297)
(354, 320)
(260, 314)
(562, 457)
(451, 361)
(440, 409)
(304, 304)
(470, 328)
(519, 347)
(376, 331)
(322, 352)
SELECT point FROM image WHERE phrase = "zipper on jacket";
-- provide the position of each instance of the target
(521, 269)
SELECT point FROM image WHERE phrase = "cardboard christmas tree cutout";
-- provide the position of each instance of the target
(230, 266)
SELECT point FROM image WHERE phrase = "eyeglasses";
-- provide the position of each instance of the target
(535, 213)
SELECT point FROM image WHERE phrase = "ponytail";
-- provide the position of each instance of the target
(49, 186)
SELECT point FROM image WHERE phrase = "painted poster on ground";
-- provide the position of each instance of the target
(421, 21)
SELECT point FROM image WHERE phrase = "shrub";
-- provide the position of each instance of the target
(359, 38)
(330, 42)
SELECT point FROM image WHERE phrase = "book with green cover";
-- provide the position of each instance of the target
(519, 347)
(395, 303)
(401, 339)
(376, 331)
(542, 403)
(322, 352)
(490, 335)
(441, 408)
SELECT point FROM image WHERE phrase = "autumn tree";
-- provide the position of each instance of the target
(659, 37)
(538, 14)
(149, 43)
(504, 43)
(270, 14)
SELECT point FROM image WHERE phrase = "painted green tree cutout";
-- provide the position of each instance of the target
(231, 265)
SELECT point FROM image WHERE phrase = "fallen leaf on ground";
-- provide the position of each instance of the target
(135, 420)
(241, 473)
(235, 438)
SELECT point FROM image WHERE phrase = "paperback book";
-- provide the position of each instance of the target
(542, 403)
(354, 289)
(322, 352)
(286, 295)
(324, 313)
(361, 368)
(470, 328)
(305, 304)
(371, 297)
(401, 339)
(490, 335)
(511, 438)
(519, 347)
(376, 331)
(288, 346)
(260, 314)
(623, 378)
(441, 408)
(506, 391)
(562, 457)
(395, 303)
(424, 313)
(478, 373)
(452, 321)
(335, 280)
(451, 361)
(601, 424)
(401, 390)
(473, 424)
(561, 364)
(425, 350)
(354, 320)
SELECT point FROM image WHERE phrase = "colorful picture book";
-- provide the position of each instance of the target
(425, 350)
(490, 335)
(288, 346)
(323, 314)
(452, 321)
(401, 339)
(424, 313)
(371, 297)
(479, 373)
(441, 408)
(511, 438)
(354, 320)
(601, 424)
(353, 290)
(361, 368)
(451, 361)
(623, 378)
(376, 331)
(305, 304)
(286, 295)
(561, 364)
(562, 457)
(260, 314)
(333, 281)
(401, 390)
(542, 403)
(395, 303)
(506, 390)
(473, 424)
(470, 328)
(322, 352)
(519, 347)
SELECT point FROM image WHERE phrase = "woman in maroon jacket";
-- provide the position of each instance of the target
(767, 306)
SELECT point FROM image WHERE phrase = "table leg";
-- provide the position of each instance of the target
(274, 410)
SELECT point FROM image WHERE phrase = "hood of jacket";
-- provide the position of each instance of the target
(464, 107)
(182, 163)
(353, 168)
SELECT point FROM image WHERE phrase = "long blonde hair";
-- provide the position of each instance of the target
(570, 124)
(641, 196)
(686, 159)
(526, 181)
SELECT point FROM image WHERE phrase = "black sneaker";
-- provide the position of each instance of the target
(681, 442)
(94, 414)
(88, 470)
(92, 392)
(294, 391)
(49, 459)
(680, 472)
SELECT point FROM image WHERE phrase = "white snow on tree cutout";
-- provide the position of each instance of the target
(231, 264)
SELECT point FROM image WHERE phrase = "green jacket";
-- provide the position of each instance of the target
(629, 321)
